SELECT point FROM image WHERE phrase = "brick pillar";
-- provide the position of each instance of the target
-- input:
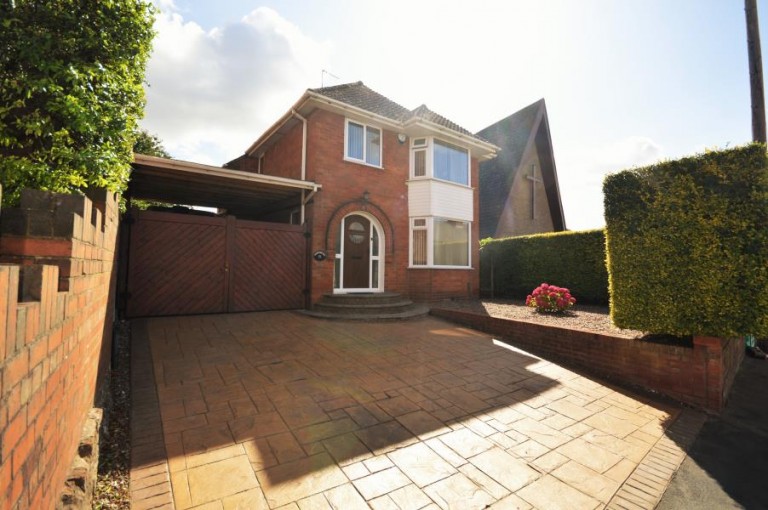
(722, 358)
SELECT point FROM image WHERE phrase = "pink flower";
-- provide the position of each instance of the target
(550, 298)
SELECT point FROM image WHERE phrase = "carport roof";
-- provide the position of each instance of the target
(241, 193)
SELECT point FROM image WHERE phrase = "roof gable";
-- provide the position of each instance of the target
(357, 94)
(512, 134)
(527, 129)
(362, 102)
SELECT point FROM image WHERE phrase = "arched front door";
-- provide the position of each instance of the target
(358, 263)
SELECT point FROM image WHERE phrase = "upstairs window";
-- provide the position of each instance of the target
(451, 163)
(363, 143)
(433, 158)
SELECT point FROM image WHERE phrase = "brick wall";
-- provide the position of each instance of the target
(700, 376)
(56, 302)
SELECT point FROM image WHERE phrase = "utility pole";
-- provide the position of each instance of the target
(755, 72)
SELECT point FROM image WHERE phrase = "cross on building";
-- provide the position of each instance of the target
(533, 180)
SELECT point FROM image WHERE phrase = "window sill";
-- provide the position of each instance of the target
(363, 163)
(457, 184)
(465, 268)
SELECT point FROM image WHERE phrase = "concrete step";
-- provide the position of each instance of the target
(384, 308)
(362, 298)
(373, 306)
(414, 311)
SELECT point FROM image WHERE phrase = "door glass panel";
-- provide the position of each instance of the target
(375, 274)
(374, 241)
(356, 232)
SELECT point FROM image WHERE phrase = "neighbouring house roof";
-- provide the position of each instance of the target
(357, 100)
(523, 131)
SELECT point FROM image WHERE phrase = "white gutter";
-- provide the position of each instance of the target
(303, 144)
(469, 139)
(303, 158)
(225, 173)
(277, 125)
(309, 95)
(354, 109)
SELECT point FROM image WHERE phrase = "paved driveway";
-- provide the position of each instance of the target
(277, 410)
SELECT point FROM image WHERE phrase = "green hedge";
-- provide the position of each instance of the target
(687, 244)
(575, 260)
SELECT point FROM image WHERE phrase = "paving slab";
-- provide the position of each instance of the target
(280, 410)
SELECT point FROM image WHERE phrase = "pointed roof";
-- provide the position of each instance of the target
(424, 113)
(527, 129)
(512, 133)
(359, 95)
(358, 100)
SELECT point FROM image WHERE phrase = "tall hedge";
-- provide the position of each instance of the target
(72, 91)
(575, 260)
(687, 244)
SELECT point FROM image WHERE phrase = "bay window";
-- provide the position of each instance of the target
(440, 242)
(451, 163)
(433, 158)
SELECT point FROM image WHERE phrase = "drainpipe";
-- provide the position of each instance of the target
(303, 156)
(308, 270)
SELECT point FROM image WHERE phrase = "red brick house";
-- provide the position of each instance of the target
(398, 206)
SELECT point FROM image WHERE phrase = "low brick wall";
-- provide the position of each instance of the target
(56, 312)
(700, 376)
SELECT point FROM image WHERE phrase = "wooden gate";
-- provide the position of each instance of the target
(185, 264)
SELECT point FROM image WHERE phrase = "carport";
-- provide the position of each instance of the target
(249, 255)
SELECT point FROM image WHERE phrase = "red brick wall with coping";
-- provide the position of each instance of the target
(700, 376)
(56, 313)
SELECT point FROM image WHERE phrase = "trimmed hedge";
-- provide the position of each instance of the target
(575, 260)
(687, 244)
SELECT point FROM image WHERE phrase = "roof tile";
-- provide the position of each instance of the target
(359, 95)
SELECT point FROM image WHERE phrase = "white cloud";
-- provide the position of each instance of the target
(581, 171)
(212, 93)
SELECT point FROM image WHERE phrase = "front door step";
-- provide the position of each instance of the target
(371, 307)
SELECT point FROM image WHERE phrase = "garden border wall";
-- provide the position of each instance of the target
(700, 376)
(57, 281)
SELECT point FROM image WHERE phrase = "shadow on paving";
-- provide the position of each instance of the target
(257, 384)
(727, 465)
(304, 398)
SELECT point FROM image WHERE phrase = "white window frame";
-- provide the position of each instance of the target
(430, 227)
(429, 173)
(378, 257)
(363, 161)
(413, 228)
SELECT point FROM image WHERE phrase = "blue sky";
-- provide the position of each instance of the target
(627, 82)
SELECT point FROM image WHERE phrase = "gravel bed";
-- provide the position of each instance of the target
(584, 317)
(113, 482)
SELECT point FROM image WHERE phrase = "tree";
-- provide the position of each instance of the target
(71, 89)
(149, 144)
